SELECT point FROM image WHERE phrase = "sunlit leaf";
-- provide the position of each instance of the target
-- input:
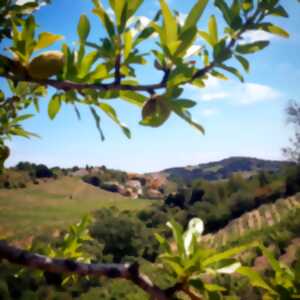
(195, 14)
(255, 278)
(110, 111)
(54, 106)
(252, 47)
(83, 28)
(233, 71)
(244, 62)
(170, 30)
(98, 122)
(269, 27)
(213, 30)
(46, 39)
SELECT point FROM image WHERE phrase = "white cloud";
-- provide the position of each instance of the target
(257, 35)
(209, 112)
(253, 92)
(22, 2)
(234, 92)
(214, 96)
(110, 12)
(181, 18)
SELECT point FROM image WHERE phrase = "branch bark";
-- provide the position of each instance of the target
(66, 266)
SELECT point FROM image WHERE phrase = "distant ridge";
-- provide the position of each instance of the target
(224, 168)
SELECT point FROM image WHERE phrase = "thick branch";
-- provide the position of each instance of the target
(70, 85)
(66, 266)
(118, 70)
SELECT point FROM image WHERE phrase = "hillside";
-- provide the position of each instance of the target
(54, 204)
(255, 222)
(223, 169)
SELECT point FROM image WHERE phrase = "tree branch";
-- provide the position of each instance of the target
(66, 266)
(116, 85)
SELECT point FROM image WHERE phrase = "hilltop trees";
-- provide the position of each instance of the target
(93, 72)
(293, 118)
(293, 151)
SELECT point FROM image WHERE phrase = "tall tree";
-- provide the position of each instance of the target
(293, 117)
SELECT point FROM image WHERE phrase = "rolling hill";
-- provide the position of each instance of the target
(54, 204)
(223, 169)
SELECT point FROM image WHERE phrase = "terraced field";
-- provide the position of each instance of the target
(266, 216)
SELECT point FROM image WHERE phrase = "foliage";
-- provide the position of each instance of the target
(191, 262)
(123, 236)
(219, 202)
(293, 117)
(282, 284)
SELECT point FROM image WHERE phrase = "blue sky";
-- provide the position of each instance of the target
(240, 119)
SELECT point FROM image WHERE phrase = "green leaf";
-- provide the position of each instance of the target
(181, 74)
(271, 259)
(252, 47)
(205, 36)
(144, 35)
(133, 98)
(195, 15)
(83, 28)
(36, 104)
(120, 9)
(69, 70)
(218, 75)
(98, 121)
(87, 63)
(162, 241)
(187, 39)
(100, 72)
(128, 43)
(224, 8)
(279, 11)
(46, 39)
(105, 19)
(149, 30)
(244, 62)
(21, 118)
(155, 111)
(28, 36)
(221, 51)
(235, 8)
(186, 116)
(228, 254)
(247, 5)
(198, 82)
(110, 111)
(233, 71)
(177, 232)
(54, 106)
(19, 131)
(170, 29)
(213, 30)
(133, 6)
(255, 278)
(269, 27)
(185, 103)
(173, 263)
(214, 288)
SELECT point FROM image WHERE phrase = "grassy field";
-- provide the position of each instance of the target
(53, 205)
